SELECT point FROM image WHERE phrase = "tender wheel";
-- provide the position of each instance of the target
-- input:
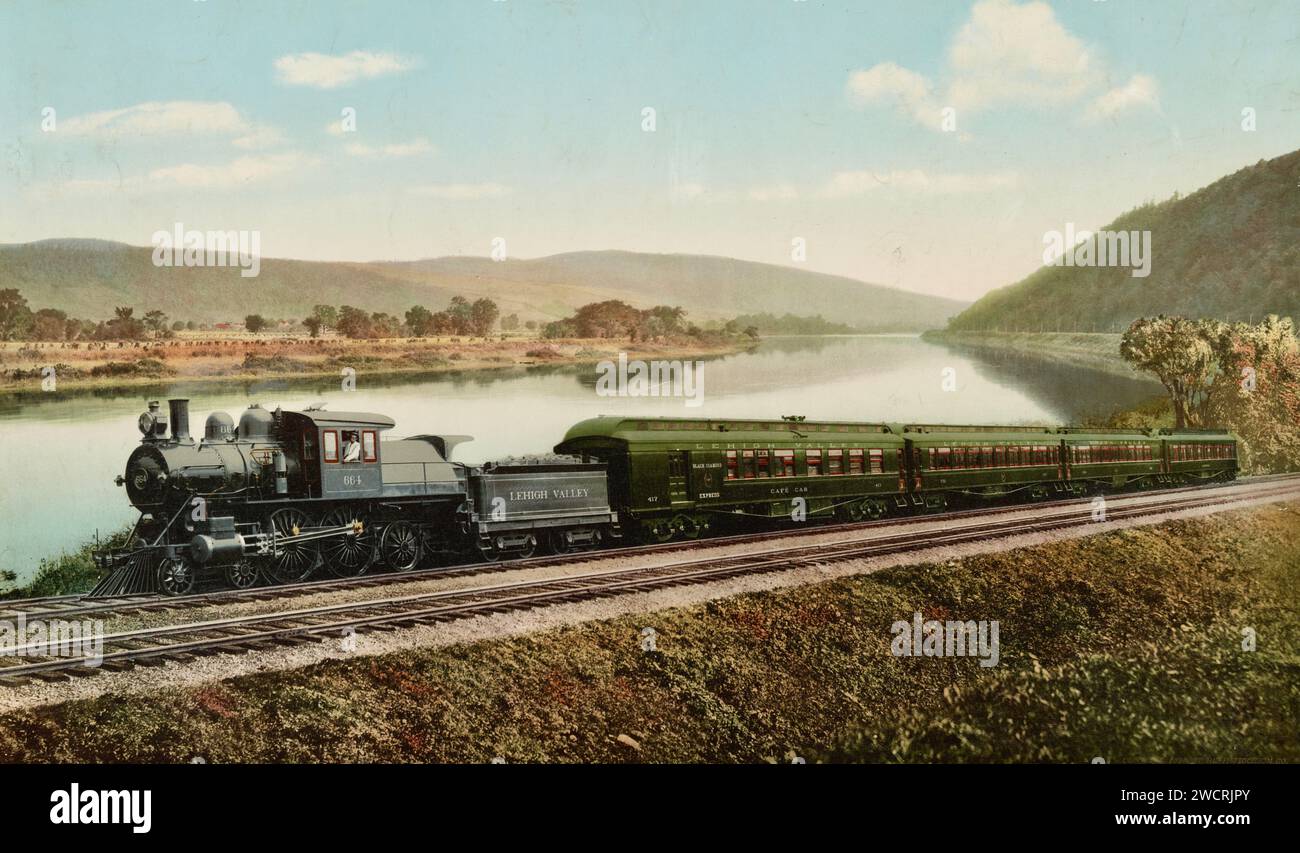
(529, 548)
(689, 525)
(399, 545)
(349, 555)
(296, 562)
(241, 575)
(661, 530)
(175, 576)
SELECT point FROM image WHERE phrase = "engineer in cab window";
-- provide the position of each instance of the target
(351, 447)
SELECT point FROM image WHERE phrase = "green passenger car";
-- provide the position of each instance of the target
(1199, 455)
(672, 477)
(983, 462)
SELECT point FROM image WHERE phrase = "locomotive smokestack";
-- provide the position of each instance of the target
(180, 409)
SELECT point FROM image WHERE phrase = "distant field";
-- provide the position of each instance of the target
(240, 355)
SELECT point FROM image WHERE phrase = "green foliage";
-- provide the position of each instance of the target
(790, 324)
(1234, 375)
(67, 573)
(1227, 251)
(255, 323)
(147, 367)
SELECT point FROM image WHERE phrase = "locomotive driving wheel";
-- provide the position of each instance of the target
(175, 576)
(241, 575)
(353, 553)
(400, 546)
(295, 562)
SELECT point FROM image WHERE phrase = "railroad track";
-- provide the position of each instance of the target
(65, 606)
(154, 646)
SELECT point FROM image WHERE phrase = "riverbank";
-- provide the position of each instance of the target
(113, 365)
(1126, 646)
(1096, 350)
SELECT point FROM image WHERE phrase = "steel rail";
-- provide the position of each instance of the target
(292, 627)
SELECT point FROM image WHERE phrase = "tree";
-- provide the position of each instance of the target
(420, 319)
(1177, 350)
(442, 323)
(1256, 392)
(610, 319)
(49, 324)
(461, 313)
(353, 322)
(328, 316)
(510, 322)
(483, 316)
(255, 323)
(15, 316)
(384, 325)
(178, 326)
(313, 325)
(155, 320)
(661, 321)
(560, 329)
(123, 326)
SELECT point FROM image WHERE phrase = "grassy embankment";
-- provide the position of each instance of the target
(1126, 646)
(248, 357)
(69, 572)
(1095, 350)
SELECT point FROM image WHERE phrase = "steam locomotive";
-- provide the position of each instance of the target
(283, 494)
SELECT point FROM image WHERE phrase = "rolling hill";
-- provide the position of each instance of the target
(88, 278)
(1228, 251)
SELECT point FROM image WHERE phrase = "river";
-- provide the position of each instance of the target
(62, 451)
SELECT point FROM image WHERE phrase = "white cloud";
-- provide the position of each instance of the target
(323, 71)
(159, 117)
(1139, 91)
(888, 82)
(1010, 53)
(462, 192)
(845, 184)
(1007, 53)
(172, 118)
(400, 149)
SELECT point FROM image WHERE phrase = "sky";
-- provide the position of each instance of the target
(925, 145)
